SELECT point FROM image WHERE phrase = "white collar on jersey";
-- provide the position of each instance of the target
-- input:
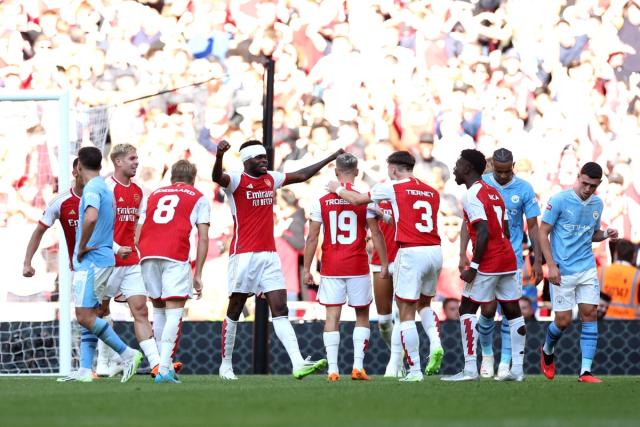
(252, 151)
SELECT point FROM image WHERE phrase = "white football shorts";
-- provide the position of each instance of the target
(126, 280)
(255, 273)
(167, 279)
(579, 288)
(416, 271)
(487, 287)
(335, 291)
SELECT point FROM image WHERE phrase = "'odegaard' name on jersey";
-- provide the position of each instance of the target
(419, 193)
(260, 198)
(332, 202)
(176, 190)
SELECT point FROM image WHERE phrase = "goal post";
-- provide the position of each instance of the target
(64, 280)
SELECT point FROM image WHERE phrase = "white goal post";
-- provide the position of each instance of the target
(64, 321)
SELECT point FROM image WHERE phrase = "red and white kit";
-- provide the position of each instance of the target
(345, 264)
(419, 258)
(389, 233)
(167, 222)
(126, 277)
(64, 208)
(497, 269)
(254, 265)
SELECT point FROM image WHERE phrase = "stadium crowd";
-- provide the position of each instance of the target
(557, 85)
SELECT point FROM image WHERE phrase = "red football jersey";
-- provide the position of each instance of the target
(344, 252)
(167, 221)
(415, 210)
(483, 202)
(251, 200)
(65, 209)
(128, 199)
(389, 232)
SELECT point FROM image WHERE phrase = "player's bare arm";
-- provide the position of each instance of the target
(482, 232)
(350, 196)
(381, 247)
(600, 235)
(201, 257)
(217, 175)
(553, 273)
(88, 225)
(304, 174)
(464, 244)
(505, 229)
(310, 248)
(32, 247)
(532, 226)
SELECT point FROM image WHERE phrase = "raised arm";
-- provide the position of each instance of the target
(304, 174)
(310, 248)
(217, 175)
(32, 247)
(350, 196)
(482, 238)
(379, 245)
(534, 232)
(545, 246)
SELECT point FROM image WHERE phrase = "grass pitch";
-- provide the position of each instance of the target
(284, 401)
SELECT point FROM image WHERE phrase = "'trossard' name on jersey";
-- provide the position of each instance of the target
(332, 202)
(127, 214)
(419, 193)
(261, 198)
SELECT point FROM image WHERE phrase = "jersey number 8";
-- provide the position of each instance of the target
(166, 209)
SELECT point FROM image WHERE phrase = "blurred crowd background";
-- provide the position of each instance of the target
(555, 81)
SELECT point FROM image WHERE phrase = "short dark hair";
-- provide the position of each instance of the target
(592, 170)
(404, 159)
(476, 159)
(250, 143)
(90, 158)
(502, 155)
(625, 251)
(605, 297)
(75, 163)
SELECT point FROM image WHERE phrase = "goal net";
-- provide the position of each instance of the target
(38, 333)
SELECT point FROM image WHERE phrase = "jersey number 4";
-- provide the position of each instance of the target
(165, 209)
(343, 227)
(426, 225)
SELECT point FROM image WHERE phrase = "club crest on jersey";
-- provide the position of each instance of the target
(136, 197)
(266, 181)
(596, 214)
(549, 207)
(515, 198)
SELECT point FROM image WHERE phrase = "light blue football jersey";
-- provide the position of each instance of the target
(519, 200)
(574, 222)
(96, 194)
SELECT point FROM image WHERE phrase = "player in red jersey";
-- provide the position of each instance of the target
(419, 258)
(170, 215)
(492, 271)
(126, 278)
(344, 265)
(64, 208)
(254, 266)
(388, 320)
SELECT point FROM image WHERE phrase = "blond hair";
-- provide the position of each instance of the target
(183, 171)
(119, 150)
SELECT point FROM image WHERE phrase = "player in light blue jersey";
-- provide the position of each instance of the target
(93, 260)
(520, 202)
(572, 219)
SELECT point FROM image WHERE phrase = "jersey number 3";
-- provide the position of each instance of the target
(426, 225)
(166, 209)
(346, 223)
